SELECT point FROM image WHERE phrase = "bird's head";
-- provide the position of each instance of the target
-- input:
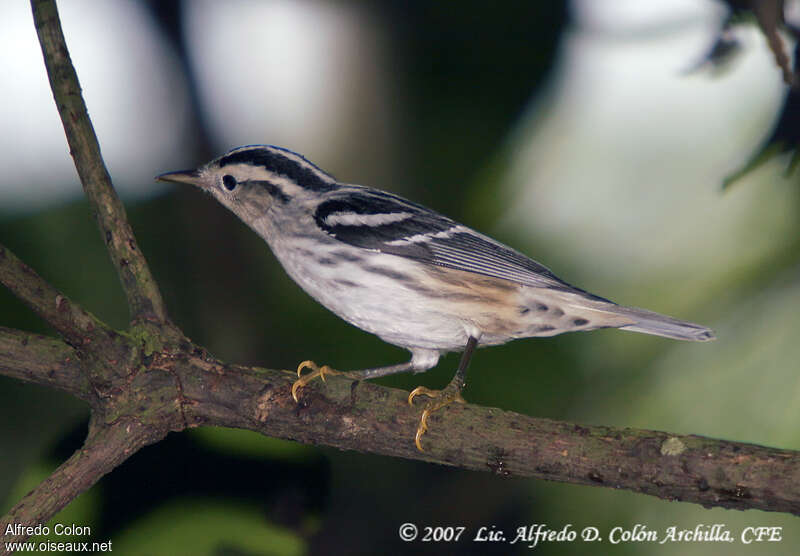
(250, 180)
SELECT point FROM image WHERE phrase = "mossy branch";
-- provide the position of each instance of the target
(41, 360)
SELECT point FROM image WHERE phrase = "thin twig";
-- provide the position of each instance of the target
(77, 326)
(144, 297)
(769, 14)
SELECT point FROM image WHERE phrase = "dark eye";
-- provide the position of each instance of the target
(229, 182)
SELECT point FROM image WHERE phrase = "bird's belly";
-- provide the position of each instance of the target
(406, 321)
(383, 306)
(405, 303)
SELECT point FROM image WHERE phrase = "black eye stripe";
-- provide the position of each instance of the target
(229, 182)
(304, 174)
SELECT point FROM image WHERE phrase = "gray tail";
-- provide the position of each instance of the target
(649, 322)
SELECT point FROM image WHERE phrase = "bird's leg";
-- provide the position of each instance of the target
(317, 371)
(440, 398)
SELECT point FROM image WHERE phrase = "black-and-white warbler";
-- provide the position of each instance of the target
(411, 276)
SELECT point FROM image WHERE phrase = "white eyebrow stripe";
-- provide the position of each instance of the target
(356, 219)
(422, 238)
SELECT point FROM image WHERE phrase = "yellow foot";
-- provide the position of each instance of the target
(441, 398)
(316, 371)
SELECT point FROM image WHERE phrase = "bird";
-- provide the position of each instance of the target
(408, 274)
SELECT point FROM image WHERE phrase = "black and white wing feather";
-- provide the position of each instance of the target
(383, 222)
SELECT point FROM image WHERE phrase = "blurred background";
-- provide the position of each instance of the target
(593, 135)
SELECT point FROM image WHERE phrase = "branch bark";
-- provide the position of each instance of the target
(105, 448)
(41, 360)
(369, 418)
(75, 325)
(186, 387)
(144, 297)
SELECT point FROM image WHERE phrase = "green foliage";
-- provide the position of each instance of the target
(206, 527)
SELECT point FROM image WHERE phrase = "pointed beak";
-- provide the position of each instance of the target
(190, 177)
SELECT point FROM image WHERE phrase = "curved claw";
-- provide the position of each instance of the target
(447, 397)
(297, 385)
(421, 429)
(308, 363)
(422, 391)
(316, 371)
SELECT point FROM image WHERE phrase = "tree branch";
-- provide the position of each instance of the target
(370, 418)
(144, 297)
(186, 387)
(769, 14)
(41, 360)
(77, 326)
(105, 448)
